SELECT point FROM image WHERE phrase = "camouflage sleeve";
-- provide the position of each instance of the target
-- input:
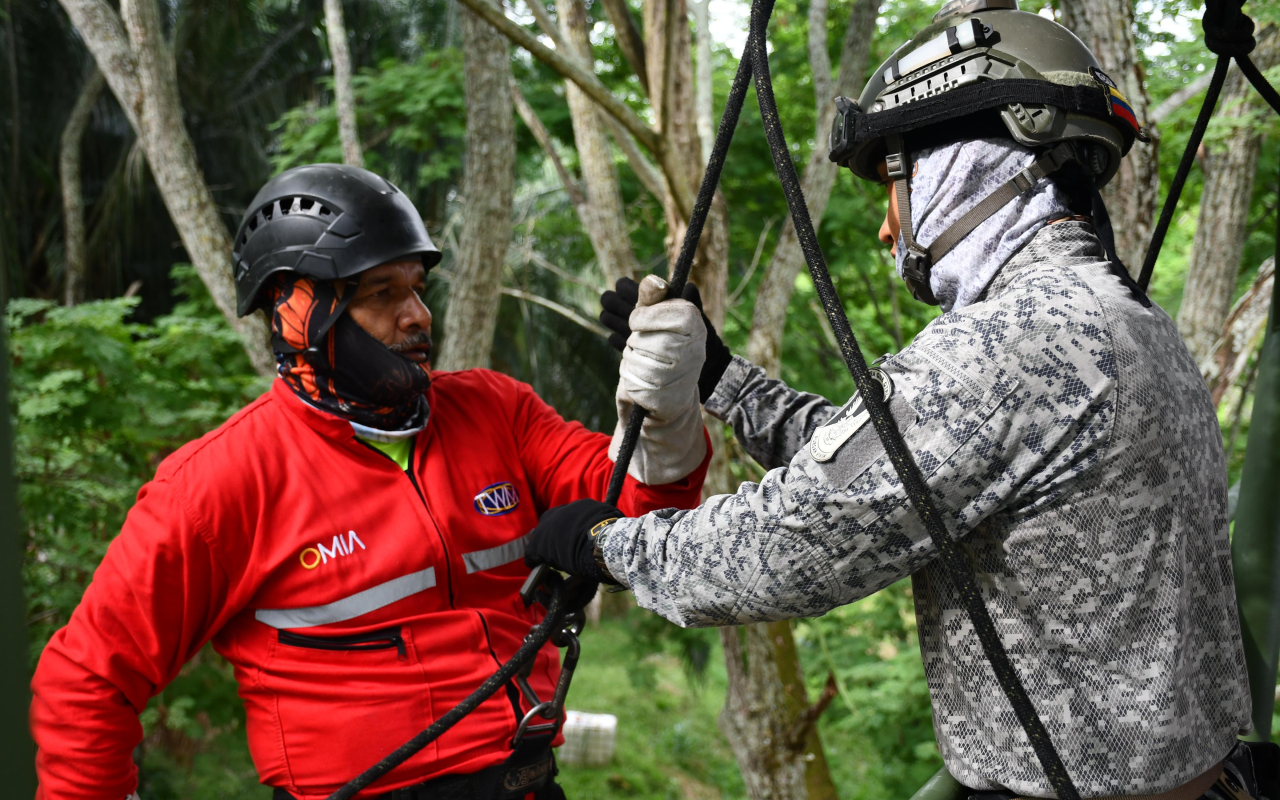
(834, 525)
(770, 420)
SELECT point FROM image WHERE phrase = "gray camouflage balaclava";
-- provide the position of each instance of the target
(948, 182)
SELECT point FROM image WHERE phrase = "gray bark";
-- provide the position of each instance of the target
(130, 50)
(543, 137)
(765, 701)
(602, 216)
(72, 193)
(344, 94)
(1107, 27)
(1230, 167)
(703, 102)
(488, 186)
(644, 169)
(569, 67)
(1241, 334)
(764, 347)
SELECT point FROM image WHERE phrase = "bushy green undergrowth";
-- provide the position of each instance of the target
(99, 401)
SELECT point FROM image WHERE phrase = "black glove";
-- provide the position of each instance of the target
(565, 538)
(621, 301)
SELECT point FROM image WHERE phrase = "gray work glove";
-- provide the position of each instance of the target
(660, 368)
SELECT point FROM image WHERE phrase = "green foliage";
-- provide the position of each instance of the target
(879, 732)
(412, 117)
(99, 400)
(668, 745)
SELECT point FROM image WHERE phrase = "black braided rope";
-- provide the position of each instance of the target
(527, 652)
(1184, 169)
(1228, 32)
(688, 248)
(1232, 40)
(1259, 82)
(962, 575)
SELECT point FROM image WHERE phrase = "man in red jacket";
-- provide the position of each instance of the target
(352, 540)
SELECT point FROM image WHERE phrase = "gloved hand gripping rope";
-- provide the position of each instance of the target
(1228, 32)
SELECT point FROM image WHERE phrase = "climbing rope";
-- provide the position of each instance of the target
(545, 631)
(1228, 32)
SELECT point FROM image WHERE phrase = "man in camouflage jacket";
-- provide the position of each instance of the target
(1071, 444)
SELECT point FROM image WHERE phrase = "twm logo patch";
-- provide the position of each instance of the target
(497, 499)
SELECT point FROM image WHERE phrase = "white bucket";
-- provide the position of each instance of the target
(589, 739)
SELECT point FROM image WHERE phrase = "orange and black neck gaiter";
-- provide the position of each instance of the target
(332, 363)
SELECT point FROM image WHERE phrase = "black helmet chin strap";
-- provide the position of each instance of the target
(919, 260)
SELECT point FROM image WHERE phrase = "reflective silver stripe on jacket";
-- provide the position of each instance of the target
(495, 556)
(384, 594)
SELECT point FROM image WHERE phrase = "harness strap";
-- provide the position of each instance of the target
(1019, 184)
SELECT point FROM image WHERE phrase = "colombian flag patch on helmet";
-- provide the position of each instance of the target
(1119, 105)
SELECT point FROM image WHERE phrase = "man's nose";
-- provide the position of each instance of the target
(415, 316)
(886, 235)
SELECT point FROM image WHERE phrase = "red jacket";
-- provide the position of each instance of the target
(357, 602)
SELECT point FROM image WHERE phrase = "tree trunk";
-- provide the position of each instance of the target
(703, 102)
(670, 67)
(1229, 168)
(139, 68)
(1241, 334)
(765, 701)
(72, 194)
(488, 185)
(764, 347)
(603, 214)
(1107, 27)
(344, 94)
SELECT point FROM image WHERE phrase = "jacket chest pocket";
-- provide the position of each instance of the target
(384, 639)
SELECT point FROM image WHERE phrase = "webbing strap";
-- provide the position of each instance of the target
(964, 100)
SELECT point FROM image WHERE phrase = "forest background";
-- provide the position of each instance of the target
(114, 240)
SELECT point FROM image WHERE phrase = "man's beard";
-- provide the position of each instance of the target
(415, 340)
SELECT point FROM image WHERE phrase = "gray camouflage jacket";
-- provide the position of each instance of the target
(1067, 435)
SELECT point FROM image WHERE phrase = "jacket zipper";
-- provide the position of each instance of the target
(448, 569)
(383, 639)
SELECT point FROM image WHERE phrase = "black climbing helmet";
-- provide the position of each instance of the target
(325, 221)
(984, 69)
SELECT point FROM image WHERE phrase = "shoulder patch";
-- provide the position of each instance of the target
(847, 421)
